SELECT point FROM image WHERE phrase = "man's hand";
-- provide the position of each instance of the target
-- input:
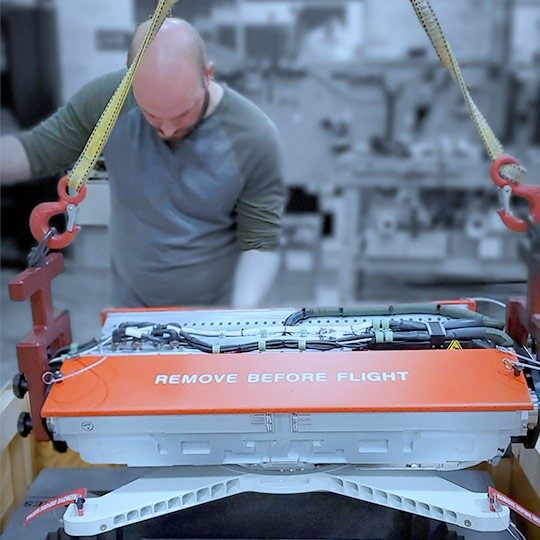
(14, 162)
(255, 274)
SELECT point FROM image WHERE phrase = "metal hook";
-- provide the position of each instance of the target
(44, 212)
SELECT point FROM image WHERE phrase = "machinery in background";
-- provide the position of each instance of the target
(30, 74)
(449, 229)
(362, 164)
(30, 92)
(360, 130)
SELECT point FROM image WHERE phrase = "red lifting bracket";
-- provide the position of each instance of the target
(49, 332)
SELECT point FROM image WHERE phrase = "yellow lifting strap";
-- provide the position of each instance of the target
(494, 148)
(95, 144)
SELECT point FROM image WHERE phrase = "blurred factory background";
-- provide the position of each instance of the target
(389, 189)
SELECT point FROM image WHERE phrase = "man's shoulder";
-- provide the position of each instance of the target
(243, 113)
(253, 137)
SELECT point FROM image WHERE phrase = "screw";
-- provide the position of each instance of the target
(87, 426)
(467, 523)
(102, 527)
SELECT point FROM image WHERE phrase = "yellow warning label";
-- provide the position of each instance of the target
(454, 344)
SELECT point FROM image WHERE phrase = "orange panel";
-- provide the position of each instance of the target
(385, 381)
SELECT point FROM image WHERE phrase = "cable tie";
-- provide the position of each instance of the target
(302, 344)
(388, 336)
(379, 336)
(216, 348)
(262, 345)
(380, 323)
(134, 332)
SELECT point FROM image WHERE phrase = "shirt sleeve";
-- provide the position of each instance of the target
(259, 208)
(55, 143)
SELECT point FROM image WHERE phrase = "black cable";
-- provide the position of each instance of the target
(81, 348)
(130, 324)
(407, 325)
(461, 323)
(444, 310)
(471, 333)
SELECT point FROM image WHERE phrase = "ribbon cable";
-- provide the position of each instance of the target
(102, 130)
(494, 148)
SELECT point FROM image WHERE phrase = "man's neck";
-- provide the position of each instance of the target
(216, 94)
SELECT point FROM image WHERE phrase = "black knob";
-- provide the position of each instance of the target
(20, 385)
(24, 424)
(60, 446)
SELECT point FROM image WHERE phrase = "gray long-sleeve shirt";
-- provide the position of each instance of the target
(180, 213)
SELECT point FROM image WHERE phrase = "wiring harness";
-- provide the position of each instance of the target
(471, 329)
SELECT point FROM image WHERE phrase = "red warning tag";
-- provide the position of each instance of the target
(497, 496)
(61, 500)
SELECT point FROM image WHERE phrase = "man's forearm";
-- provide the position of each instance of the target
(14, 162)
(255, 275)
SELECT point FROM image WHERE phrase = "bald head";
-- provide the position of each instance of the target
(173, 76)
(187, 40)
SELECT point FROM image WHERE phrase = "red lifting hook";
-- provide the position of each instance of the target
(67, 204)
(512, 188)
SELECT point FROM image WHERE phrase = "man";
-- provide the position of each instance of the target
(195, 177)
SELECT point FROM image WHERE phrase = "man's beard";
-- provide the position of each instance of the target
(186, 133)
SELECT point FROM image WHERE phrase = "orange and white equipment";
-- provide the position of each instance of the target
(180, 406)
(361, 403)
